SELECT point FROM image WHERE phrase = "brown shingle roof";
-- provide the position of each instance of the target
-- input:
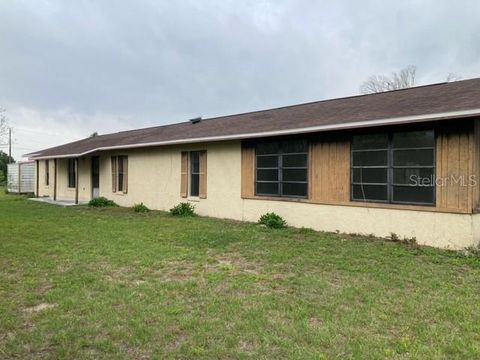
(355, 111)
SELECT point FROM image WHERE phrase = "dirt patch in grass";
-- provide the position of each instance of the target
(234, 263)
(125, 275)
(248, 346)
(185, 270)
(39, 307)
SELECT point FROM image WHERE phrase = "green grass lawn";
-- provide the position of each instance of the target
(101, 283)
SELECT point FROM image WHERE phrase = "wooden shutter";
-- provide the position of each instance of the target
(184, 175)
(248, 170)
(203, 175)
(114, 174)
(125, 174)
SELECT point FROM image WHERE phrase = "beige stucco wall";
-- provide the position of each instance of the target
(154, 179)
(444, 230)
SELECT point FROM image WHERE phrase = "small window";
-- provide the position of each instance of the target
(122, 173)
(282, 169)
(394, 167)
(71, 173)
(47, 173)
(194, 173)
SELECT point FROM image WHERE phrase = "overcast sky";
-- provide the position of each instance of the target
(69, 68)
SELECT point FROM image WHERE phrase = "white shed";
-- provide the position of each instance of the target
(21, 177)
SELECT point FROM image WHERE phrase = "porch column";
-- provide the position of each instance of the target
(76, 180)
(55, 180)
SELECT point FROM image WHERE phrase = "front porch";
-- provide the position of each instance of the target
(67, 181)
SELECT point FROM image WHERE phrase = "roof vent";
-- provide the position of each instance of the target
(196, 120)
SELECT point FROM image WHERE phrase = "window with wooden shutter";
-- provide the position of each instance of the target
(248, 169)
(114, 174)
(194, 173)
(203, 175)
(184, 175)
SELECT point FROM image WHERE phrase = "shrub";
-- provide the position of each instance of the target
(140, 208)
(101, 202)
(183, 209)
(272, 220)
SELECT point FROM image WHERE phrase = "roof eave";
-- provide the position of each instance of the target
(305, 130)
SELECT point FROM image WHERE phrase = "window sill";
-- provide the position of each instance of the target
(193, 198)
(120, 193)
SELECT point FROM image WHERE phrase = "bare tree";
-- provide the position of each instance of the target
(403, 79)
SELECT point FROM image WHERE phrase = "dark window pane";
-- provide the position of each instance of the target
(294, 174)
(267, 175)
(268, 148)
(194, 190)
(267, 188)
(414, 139)
(370, 192)
(294, 160)
(413, 158)
(369, 175)
(294, 146)
(371, 141)
(267, 161)
(370, 158)
(414, 194)
(71, 173)
(195, 160)
(120, 178)
(294, 189)
(422, 176)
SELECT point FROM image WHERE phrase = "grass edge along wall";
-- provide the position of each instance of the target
(155, 177)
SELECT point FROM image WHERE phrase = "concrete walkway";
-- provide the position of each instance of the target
(63, 203)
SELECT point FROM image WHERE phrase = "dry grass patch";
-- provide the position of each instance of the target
(39, 307)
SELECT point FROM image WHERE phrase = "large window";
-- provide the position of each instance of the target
(282, 168)
(194, 173)
(396, 167)
(71, 173)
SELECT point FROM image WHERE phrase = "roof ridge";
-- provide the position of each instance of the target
(461, 98)
(293, 105)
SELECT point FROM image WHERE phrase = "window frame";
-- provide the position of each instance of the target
(121, 186)
(280, 154)
(191, 173)
(391, 167)
(72, 173)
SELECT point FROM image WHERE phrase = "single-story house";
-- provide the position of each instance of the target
(404, 162)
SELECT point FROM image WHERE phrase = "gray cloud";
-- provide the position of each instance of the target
(71, 68)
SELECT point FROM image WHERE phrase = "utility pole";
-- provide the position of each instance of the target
(9, 145)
